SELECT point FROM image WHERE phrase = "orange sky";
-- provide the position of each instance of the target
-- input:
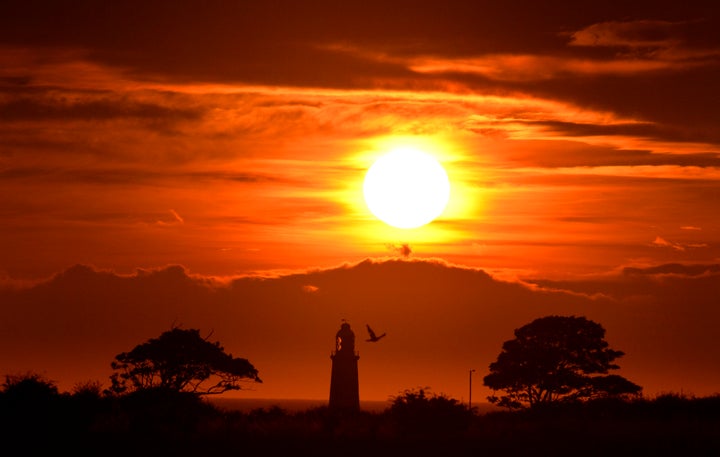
(232, 138)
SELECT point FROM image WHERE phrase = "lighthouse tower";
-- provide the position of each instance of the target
(344, 378)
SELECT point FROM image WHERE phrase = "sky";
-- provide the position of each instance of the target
(201, 164)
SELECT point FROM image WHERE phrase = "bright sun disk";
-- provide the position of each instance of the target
(406, 188)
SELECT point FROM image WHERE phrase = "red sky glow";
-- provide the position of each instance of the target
(202, 164)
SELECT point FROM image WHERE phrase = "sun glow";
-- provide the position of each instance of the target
(406, 188)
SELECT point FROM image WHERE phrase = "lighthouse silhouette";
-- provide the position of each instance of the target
(344, 395)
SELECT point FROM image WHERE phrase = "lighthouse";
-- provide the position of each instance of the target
(344, 384)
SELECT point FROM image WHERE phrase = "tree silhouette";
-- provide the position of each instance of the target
(556, 358)
(180, 361)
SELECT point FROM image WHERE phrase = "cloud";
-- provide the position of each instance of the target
(652, 39)
(177, 216)
(176, 219)
(647, 46)
(682, 247)
(677, 269)
(136, 175)
(69, 106)
(185, 122)
(604, 60)
(444, 315)
(259, 44)
(402, 250)
(77, 321)
(660, 288)
(641, 33)
(603, 153)
(526, 68)
(629, 131)
(671, 45)
(662, 242)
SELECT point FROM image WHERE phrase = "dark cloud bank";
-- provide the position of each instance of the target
(305, 44)
(440, 319)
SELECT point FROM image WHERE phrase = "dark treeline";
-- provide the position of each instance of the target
(35, 417)
(553, 378)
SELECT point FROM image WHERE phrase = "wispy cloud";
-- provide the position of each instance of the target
(177, 220)
(662, 242)
(309, 288)
(682, 247)
(535, 68)
(652, 40)
(68, 106)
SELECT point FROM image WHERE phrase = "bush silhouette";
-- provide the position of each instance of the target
(30, 403)
(419, 412)
(30, 387)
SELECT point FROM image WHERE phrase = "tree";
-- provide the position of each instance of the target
(180, 361)
(553, 359)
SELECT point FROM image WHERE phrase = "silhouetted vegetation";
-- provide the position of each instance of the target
(180, 361)
(556, 359)
(162, 411)
(157, 421)
(418, 412)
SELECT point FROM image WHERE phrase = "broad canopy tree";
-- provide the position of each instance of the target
(556, 358)
(181, 361)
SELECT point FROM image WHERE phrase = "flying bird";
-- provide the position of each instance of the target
(373, 338)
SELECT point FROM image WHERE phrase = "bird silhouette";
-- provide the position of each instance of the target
(373, 338)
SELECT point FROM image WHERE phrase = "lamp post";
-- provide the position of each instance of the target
(470, 395)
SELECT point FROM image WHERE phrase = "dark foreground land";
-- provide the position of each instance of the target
(163, 424)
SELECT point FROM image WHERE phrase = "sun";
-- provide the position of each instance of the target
(406, 188)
